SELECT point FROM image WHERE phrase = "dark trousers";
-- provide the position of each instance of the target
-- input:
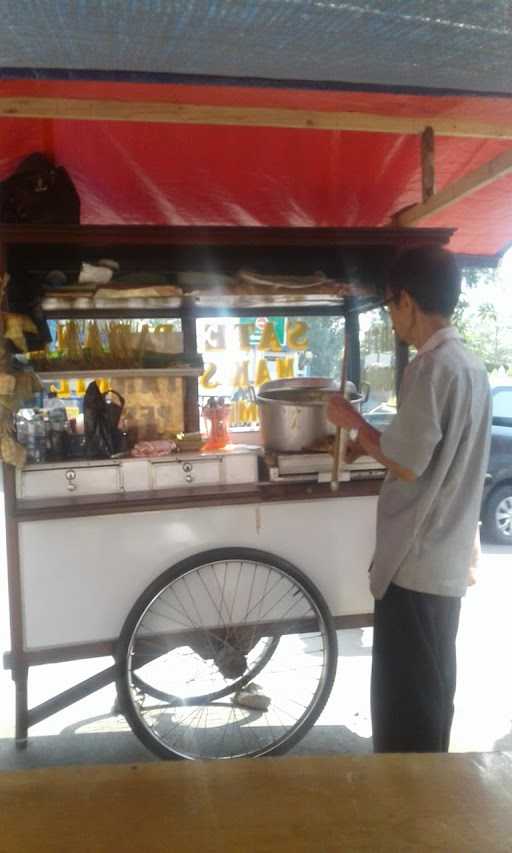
(413, 671)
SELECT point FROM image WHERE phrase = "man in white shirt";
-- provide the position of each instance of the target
(436, 452)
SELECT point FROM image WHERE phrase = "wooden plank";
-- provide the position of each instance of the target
(64, 653)
(47, 509)
(454, 192)
(106, 648)
(71, 695)
(169, 113)
(386, 803)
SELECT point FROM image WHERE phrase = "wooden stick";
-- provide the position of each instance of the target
(337, 460)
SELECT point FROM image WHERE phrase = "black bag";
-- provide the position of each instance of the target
(103, 438)
(39, 193)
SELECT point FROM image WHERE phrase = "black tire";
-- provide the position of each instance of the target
(496, 524)
(133, 632)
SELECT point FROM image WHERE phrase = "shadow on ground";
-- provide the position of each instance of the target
(122, 747)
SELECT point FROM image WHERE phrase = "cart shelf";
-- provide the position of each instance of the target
(126, 373)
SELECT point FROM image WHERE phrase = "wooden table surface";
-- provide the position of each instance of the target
(347, 803)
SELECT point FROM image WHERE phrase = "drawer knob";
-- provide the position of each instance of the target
(71, 487)
(189, 478)
(70, 475)
(187, 467)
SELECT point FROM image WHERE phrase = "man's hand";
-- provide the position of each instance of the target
(342, 413)
(353, 451)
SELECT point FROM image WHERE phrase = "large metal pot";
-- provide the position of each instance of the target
(293, 412)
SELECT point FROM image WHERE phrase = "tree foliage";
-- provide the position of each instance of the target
(325, 344)
(483, 317)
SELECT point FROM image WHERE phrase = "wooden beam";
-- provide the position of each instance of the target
(168, 113)
(427, 163)
(454, 192)
(205, 237)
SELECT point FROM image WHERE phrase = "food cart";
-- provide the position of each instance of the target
(201, 574)
(198, 572)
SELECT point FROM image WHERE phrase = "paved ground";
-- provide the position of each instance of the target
(86, 732)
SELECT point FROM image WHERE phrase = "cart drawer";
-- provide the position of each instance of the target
(68, 482)
(183, 473)
(241, 468)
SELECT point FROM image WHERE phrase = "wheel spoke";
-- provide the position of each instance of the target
(258, 618)
(265, 596)
(217, 607)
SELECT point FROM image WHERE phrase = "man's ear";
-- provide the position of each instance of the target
(407, 302)
(409, 307)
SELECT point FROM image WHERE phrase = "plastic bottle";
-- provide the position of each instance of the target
(48, 436)
(217, 413)
(58, 419)
(36, 440)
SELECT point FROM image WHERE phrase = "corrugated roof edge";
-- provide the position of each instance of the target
(250, 82)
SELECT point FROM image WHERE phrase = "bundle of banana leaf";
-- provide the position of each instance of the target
(15, 385)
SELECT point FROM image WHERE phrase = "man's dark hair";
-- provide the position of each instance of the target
(430, 275)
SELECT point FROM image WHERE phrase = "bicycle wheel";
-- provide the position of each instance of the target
(201, 631)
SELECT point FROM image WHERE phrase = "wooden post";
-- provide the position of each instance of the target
(354, 351)
(427, 191)
(19, 665)
(338, 455)
(190, 384)
(401, 362)
(427, 163)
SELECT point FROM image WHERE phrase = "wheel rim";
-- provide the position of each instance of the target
(204, 636)
(504, 517)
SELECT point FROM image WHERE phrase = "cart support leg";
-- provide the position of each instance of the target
(20, 676)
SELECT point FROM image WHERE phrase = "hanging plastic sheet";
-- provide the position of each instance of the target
(145, 172)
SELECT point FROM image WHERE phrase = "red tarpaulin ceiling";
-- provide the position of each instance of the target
(191, 174)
